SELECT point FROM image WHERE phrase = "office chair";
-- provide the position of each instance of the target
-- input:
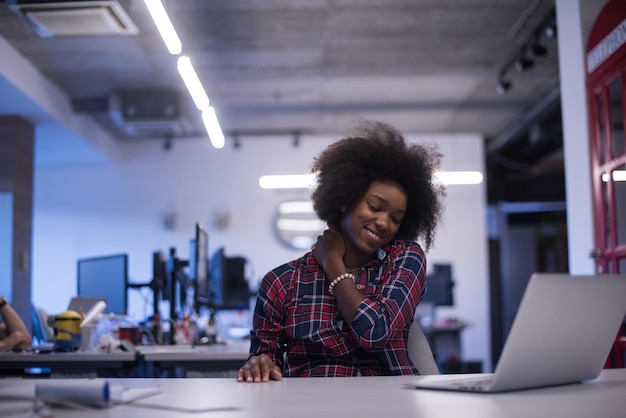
(42, 332)
(420, 352)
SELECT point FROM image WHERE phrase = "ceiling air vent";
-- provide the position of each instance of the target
(148, 113)
(77, 18)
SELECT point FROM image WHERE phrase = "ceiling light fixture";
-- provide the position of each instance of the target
(550, 31)
(194, 86)
(289, 181)
(503, 87)
(212, 126)
(297, 206)
(459, 177)
(618, 175)
(520, 59)
(538, 50)
(165, 26)
(523, 63)
(306, 181)
(301, 225)
(187, 72)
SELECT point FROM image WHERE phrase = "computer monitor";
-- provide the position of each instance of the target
(228, 285)
(439, 285)
(160, 280)
(105, 277)
(199, 266)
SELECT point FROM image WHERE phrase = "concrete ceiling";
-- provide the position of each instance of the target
(283, 66)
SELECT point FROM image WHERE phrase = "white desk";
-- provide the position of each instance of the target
(361, 397)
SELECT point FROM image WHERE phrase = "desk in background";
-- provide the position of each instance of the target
(361, 397)
(445, 342)
(216, 360)
(78, 364)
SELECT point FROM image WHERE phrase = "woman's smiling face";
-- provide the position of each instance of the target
(375, 218)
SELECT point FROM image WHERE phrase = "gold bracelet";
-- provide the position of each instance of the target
(335, 282)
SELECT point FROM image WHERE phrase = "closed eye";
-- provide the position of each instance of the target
(373, 208)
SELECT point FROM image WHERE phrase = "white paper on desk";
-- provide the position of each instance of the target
(90, 392)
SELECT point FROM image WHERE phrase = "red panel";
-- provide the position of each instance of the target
(612, 15)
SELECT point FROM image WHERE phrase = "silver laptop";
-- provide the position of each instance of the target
(562, 333)
(83, 304)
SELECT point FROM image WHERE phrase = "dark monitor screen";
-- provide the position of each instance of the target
(228, 284)
(439, 285)
(159, 275)
(105, 277)
(199, 264)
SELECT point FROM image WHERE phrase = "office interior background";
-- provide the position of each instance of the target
(101, 189)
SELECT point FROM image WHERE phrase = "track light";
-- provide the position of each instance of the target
(550, 31)
(164, 25)
(538, 50)
(523, 63)
(503, 87)
(520, 58)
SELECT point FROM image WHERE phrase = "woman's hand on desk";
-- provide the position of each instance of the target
(259, 369)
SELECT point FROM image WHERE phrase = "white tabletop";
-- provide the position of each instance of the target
(347, 397)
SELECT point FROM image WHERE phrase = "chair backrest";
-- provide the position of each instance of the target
(420, 352)
(41, 331)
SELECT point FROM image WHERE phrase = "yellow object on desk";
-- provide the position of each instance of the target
(67, 332)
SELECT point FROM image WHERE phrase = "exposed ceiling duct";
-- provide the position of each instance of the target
(148, 113)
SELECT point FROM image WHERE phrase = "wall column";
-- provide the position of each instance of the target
(16, 181)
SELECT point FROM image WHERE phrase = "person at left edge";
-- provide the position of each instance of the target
(13, 332)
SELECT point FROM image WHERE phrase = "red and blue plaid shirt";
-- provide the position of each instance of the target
(295, 314)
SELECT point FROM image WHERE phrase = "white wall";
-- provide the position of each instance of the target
(104, 209)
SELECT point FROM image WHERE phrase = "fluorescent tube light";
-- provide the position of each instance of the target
(301, 225)
(212, 126)
(305, 181)
(164, 25)
(302, 206)
(193, 83)
(459, 177)
(618, 175)
(290, 181)
(187, 72)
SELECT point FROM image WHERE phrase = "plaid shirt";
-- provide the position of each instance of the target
(296, 314)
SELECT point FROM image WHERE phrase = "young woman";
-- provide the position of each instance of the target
(345, 307)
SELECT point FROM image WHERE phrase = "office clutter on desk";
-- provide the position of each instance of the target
(202, 299)
(186, 331)
(208, 295)
(91, 393)
(112, 333)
